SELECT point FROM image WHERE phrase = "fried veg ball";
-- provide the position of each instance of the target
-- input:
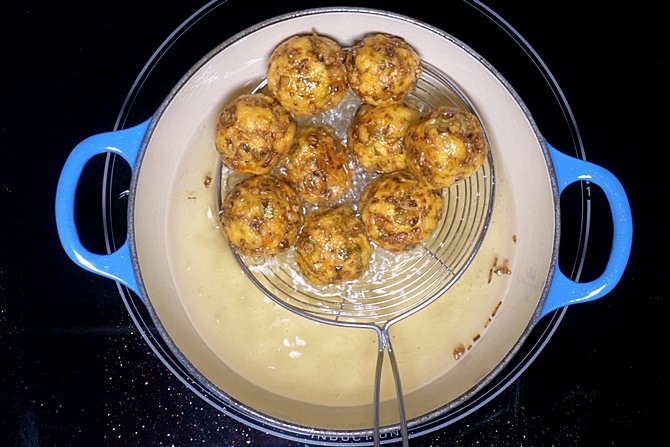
(261, 216)
(383, 69)
(307, 74)
(332, 246)
(317, 165)
(376, 134)
(445, 146)
(399, 212)
(253, 132)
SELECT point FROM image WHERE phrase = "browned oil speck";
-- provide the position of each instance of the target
(191, 197)
(487, 323)
(495, 262)
(477, 337)
(499, 270)
(514, 238)
(459, 351)
(503, 269)
(208, 181)
(495, 311)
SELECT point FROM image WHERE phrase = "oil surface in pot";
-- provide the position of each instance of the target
(292, 356)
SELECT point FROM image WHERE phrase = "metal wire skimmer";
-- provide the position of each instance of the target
(398, 285)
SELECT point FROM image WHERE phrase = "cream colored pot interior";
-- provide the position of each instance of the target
(305, 373)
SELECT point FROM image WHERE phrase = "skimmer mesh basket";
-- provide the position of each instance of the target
(395, 284)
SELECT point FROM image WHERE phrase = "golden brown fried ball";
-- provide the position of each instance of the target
(400, 212)
(317, 165)
(376, 134)
(383, 69)
(307, 74)
(261, 216)
(253, 132)
(333, 246)
(445, 146)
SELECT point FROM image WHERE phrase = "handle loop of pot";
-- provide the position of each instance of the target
(117, 265)
(564, 291)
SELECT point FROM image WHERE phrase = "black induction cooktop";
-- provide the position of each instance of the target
(80, 365)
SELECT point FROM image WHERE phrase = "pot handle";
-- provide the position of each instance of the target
(564, 291)
(118, 265)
